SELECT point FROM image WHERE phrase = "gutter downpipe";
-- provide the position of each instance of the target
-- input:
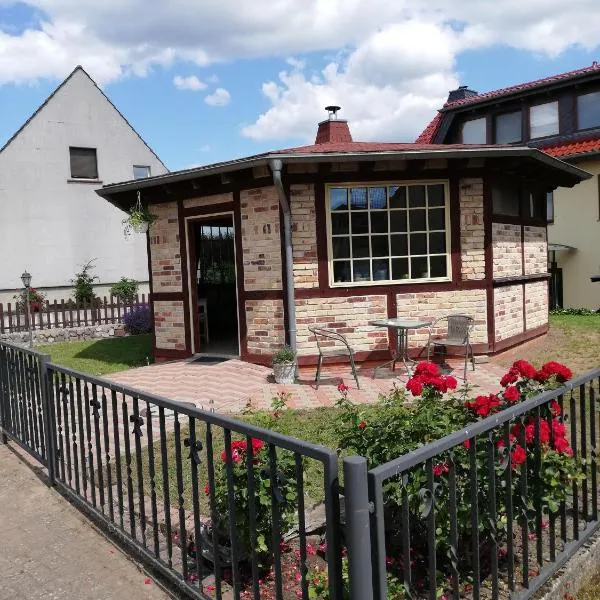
(276, 165)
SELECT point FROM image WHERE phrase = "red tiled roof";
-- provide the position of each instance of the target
(366, 147)
(573, 148)
(428, 134)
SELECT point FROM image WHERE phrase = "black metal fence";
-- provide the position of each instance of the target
(214, 504)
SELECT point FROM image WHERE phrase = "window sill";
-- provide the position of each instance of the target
(387, 282)
(82, 180)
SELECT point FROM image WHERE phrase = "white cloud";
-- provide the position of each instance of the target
(390, 65)
(220, 97)
(189, 82)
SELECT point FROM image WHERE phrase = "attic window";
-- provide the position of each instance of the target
(84, 163)
(588, 110)
(474, 131)
(141, 171)
(543, 120)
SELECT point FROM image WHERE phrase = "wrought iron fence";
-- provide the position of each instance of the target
(493, 510)
(218, 506)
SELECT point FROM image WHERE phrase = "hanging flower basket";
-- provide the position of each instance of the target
(139, 219)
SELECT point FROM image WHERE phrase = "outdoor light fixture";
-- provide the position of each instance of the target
(26, 279)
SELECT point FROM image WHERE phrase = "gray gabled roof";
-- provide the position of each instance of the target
(49, 98)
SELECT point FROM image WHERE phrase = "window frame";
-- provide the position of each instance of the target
(518, 112)
(485, 129)
(134, 167)
(578, 112)
(386, 282)
(548, 135)
(79, 178)
(550, 202)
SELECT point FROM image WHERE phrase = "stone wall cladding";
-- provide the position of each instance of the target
(536, 304)
(508, 311)
(536, 250)
(169, 324)
(506, 243)
(472, 247)
(164, 249)
(261, 241)
(208, 200)
(428, 306)
(349, 316)
(304, 236)
(265, 332)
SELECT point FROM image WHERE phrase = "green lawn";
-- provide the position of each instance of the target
(104, 356)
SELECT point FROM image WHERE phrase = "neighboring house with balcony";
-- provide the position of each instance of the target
(52, 220)
(560, 115)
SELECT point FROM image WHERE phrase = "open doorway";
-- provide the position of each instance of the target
(216, 318)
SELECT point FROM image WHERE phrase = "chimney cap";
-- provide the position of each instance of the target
(332, 109)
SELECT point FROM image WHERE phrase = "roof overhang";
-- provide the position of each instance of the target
(559, 247)
(568, 174)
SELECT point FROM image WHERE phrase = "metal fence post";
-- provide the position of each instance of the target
(48, 413)
(358, 532)
(3, 396)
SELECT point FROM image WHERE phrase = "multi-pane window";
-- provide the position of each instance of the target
(141, 171)
(508, 128)
(543, 120)
(474, 131)
(588, 110)
(84, 163)
(385, 233)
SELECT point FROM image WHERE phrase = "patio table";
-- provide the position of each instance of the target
(401, 327)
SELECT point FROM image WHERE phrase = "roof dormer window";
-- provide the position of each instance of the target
(588, 110)
(508, 128)
(543, 120)
(474, 131)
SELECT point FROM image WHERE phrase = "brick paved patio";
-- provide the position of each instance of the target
(230, 385)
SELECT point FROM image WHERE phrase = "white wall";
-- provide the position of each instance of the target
(51, 226)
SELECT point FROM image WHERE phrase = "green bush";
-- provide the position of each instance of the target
(125, 289)
(84, 283)
(580, 312)
(283, 355)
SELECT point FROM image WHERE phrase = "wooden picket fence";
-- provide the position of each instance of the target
(66, 313)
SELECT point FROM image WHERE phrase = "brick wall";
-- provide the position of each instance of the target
(428, 306)
(536, 304)
(508, 311)
(169, 324)
(164, 249)
(261, 240)
(208, 201)
(304, 236)
(265, 326)
(471, 229)
(536, 250)
(506, 243)
(349, 316)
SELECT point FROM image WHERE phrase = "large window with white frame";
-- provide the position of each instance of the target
(388, 233)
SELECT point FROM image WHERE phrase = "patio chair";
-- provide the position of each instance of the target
(459, 329)
(330, 343)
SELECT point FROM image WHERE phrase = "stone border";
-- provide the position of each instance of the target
(68, 334)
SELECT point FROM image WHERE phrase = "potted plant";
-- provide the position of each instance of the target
(284, 365)
(139, 218)
(36, 300)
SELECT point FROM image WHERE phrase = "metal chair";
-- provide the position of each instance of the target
(459, 329)
(327, 343)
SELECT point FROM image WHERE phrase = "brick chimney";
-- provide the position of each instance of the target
(333, 129)
(461, 93)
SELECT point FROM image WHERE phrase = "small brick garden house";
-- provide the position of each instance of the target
(245, 255)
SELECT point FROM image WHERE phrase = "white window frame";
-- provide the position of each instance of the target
(387, 282)
(142, 167)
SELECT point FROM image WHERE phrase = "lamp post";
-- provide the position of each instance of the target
(26, 279)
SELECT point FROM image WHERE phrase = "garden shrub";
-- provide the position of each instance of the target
(36, 299)
(138, 320)
(84, 283)
(397, 427)
(125, 289)
(580, 312)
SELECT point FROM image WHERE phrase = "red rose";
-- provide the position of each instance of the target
(362, 425)
(427, 368)
(554, 369)
(451, 382)
(558, 428)
(415, 386)
(518, 455)
(555, 408)
(525, 369)
(511, 394)
(257, 446)
(440, 469)
(467, 444)
(343, 388)
(206, 489)
(561, 445)
(510, 377)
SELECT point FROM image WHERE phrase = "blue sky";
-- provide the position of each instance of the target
(277, 72)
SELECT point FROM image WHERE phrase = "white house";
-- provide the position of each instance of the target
(52, 220)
